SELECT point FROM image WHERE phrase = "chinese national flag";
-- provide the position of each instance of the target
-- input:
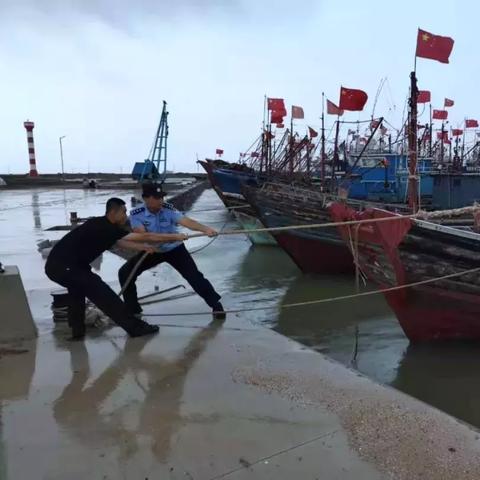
(423, 96)
(277, 116)
(332, 109)
(440, 115)
(276, 104)
(280, 125)
(312, 132)
(297, 112)
(434, 47)
(456, 132)
(471, 124)
(255, 155)
(448, 103)
(352, 99)
(219, 151)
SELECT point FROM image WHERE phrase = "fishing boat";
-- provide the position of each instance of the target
(429, 272)
(314, 250)
(238, 205)
(229, 198)
(402, 251)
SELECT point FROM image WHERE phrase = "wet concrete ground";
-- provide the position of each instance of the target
(206, 401)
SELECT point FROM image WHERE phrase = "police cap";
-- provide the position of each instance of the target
(152, 190)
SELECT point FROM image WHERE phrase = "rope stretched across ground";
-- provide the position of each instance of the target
(327, 300)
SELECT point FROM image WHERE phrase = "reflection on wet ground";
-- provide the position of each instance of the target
(82, 407)
(444, 376)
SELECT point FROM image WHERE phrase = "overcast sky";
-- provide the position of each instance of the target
(98, 70)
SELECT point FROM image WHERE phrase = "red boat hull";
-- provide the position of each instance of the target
(431, 314)
(312, 256)
(426, 313)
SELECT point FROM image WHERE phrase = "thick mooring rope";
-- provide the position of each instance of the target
(310, 226)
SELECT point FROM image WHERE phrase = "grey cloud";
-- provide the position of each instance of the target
(121, 13)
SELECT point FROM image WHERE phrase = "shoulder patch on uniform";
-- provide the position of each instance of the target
(136, 211)
(169, 206)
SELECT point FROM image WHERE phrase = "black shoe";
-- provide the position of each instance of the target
(142, 328)
(218, 312)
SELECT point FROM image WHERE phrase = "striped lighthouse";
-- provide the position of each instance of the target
(31, 148)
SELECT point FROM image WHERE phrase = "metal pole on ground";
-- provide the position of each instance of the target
(61, 155)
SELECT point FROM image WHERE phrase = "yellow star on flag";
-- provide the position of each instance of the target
(425, 37)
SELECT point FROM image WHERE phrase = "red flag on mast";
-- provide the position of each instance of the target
(434, 47)
(448, 103)
(312, 132)
(442, 136)
(275, 104)
(439, 114)
(456, 132)
(352, 99)
(423, 96)
(471, 124)
(332, 109)
(297, 112)
(277, 116)
(219, 151)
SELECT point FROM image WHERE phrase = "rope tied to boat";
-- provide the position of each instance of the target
(330, 299)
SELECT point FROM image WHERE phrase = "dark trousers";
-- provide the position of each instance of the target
(80, 283)
(181, 261)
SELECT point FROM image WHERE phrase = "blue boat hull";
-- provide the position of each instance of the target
(230, 181)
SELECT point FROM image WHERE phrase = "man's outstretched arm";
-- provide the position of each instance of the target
(199, 227)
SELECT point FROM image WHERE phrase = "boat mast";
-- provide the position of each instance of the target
(269, 148)
(431, 131)
(322, 161)
(335, 150)
(442, 153)
(265, 113)
(290, 160)
(412, 146)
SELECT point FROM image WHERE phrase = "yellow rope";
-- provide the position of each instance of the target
(310, 225)
(331, 299)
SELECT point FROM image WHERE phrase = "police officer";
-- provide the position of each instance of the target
(160, 217)
(69, 265)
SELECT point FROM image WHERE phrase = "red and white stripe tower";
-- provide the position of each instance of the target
(31, 148)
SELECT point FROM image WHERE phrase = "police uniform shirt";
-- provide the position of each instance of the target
(85, 243)
(165, 221)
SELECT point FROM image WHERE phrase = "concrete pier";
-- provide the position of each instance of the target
(16, 322)
(207, 401)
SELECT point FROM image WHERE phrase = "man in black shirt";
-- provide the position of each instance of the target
(69, 265)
